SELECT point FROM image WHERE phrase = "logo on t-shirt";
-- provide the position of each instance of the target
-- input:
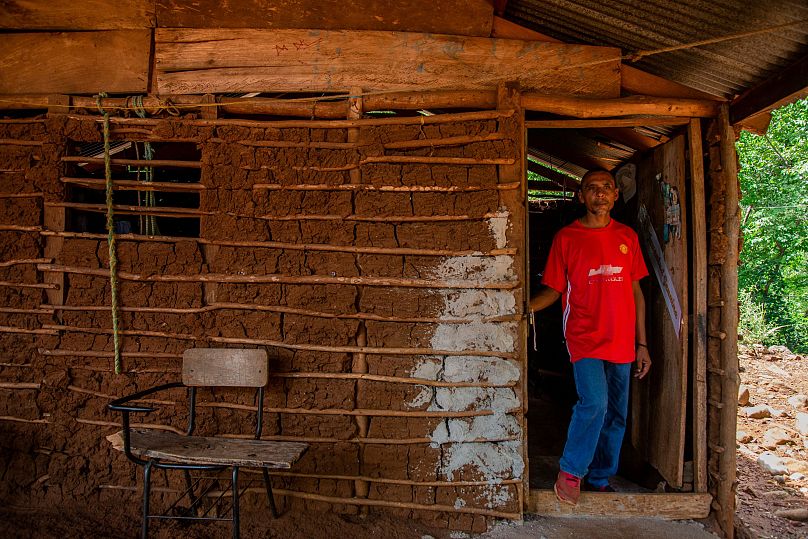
(624, 248)
(606, 273)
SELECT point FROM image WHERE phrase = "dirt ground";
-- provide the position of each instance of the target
(772, 376)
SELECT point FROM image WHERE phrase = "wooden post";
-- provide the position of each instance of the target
(360, 362)
(54, 219)
(509, 98)
(208, 109)
(699, 306)
(729, 325)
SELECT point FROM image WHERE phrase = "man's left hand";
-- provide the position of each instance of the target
(643, 362)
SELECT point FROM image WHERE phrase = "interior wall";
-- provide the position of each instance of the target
(373, 254)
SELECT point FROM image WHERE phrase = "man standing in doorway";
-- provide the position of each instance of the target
(596, 264)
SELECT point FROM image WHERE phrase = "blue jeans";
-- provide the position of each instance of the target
(598, 420)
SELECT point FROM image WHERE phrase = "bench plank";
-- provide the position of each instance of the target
(170, 446)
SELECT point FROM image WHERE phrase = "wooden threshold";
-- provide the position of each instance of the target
(672, 506)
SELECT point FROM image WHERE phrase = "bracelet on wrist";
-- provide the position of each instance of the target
(642, 344)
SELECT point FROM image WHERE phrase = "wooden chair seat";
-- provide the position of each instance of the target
(172, 447)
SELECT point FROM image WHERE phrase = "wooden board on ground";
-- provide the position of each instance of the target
(173, 447)
(73, 15)
(460, 17)
(659, 401)
(217, 61)
(622, 504)
(75, 62)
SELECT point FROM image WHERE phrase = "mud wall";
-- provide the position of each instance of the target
(379, 263)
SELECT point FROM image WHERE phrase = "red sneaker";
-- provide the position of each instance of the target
(567, 488)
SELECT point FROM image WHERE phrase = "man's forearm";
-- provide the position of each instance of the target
(546, 297)
(639, 307)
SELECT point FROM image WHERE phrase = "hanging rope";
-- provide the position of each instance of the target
(113, 260)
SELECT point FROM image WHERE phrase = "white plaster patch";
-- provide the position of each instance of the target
(495, 461)
(498, 225)
(476, 268)
(486, 427)
(426, 369)
(478, 303)
(493, 370)
(489, 336)
(459, 399)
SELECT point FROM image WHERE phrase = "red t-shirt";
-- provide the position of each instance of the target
(593, 268)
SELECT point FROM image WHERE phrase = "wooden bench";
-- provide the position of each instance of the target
(212, 367)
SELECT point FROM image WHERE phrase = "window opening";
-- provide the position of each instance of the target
(150, 199)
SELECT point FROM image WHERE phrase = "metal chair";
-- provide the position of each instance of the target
(168, 450)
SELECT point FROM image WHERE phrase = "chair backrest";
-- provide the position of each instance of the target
(231, 367)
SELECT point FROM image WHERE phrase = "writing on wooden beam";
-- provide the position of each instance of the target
(224, 60)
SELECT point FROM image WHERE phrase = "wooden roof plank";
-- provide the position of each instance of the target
(73, 15)
(243, 60)
(86, 63)
(458, 17)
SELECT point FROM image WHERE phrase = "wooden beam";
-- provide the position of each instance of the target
(727, 466)
(72, 15)
(611, 122)
(622, 504)
(86, 63)
(699, 306)
(556, 146)
(215, 61)
(629, 137)
(783, 88)
(460, 17)
(633, 80)
(582, 107)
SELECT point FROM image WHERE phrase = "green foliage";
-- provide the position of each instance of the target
(773, 277)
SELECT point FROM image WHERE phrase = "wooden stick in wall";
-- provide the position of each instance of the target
(391, 379)
(290, 246)
(386, 188)
(29, 285)
(20, 228)
(347, 501)
(315, 124)
(21, 195)
(285, 279)
(129, 210)
(278, 309)
(8, 263)
(403, 351)
(441, 142)
(133, 162)
(16, 142)
(134, 185)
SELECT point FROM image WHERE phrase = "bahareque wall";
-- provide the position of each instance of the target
(379, 262)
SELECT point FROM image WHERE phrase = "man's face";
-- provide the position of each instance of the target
(599, 193)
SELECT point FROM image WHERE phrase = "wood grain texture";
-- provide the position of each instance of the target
(622, 504)
(231, 367)
(460, 17)
(659, 427)
(73, 15)
(173, 447)
(217, 61)
(698, 278)
(76, 62)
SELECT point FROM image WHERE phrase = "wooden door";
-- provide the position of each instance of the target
(659, 401)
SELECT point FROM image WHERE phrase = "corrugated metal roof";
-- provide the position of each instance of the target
(723, 69)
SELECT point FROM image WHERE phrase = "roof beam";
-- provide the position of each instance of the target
(785, 87)
(633, 80)
(552, 144)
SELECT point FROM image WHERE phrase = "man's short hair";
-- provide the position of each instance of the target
(595, 171)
